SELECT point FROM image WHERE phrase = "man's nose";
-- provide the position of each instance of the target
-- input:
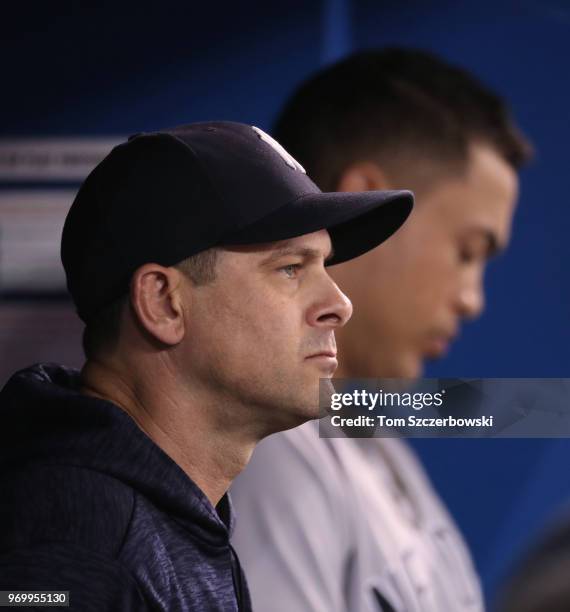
(470, 299)
(332, 308)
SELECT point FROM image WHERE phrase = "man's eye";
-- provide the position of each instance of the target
(466, 256)
(291, 270)
(469, 255)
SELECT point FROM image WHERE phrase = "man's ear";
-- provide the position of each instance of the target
(363, 176)
(158, 302)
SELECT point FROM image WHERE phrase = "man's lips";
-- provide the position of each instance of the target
(439, 343)
(325, 353)
(324, 360)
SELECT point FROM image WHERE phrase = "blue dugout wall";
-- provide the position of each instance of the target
(72, 68)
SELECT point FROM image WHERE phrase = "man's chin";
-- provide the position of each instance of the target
(307, 403)
(407, 365)
(326, 390)
(415, 369)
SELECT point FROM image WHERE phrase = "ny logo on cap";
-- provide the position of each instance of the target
(287, 158)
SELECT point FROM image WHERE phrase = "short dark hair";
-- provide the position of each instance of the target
(101, 333)
(389, 105)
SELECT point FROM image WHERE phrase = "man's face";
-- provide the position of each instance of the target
(263, 333)
(411, 294)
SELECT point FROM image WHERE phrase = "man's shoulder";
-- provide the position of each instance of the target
(64, 503)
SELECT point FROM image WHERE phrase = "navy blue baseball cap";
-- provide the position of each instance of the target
(163, 196)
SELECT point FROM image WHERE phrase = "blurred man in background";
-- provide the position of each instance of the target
(329, 525)
(114, 478)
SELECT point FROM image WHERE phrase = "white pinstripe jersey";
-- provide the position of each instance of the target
(347, 525)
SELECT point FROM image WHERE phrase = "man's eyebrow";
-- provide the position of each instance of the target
(298, 251)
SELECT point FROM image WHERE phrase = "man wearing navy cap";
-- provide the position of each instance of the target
(196, 257)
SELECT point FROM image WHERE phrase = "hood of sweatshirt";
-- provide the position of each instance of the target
(45, 420)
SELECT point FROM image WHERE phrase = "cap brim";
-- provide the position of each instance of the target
(356, 222)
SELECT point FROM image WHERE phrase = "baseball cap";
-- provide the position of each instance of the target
(164, 196)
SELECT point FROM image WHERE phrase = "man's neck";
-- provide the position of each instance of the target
(183, 424)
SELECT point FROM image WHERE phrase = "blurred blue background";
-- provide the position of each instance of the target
(73, 68)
